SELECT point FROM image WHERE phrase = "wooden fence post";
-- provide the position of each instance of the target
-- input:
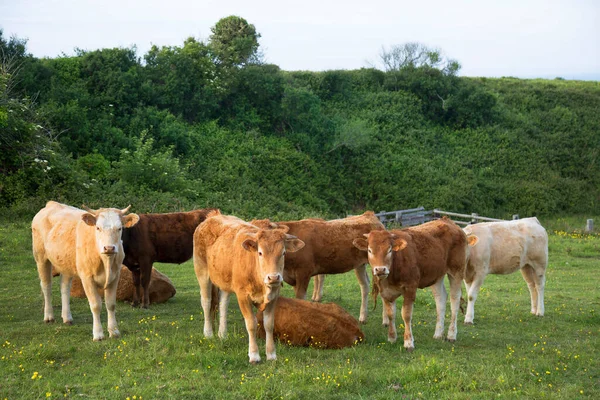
(515, 216)
(474, 218)
(589, 226)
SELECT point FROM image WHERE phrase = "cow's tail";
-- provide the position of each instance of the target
(214, 301)
(375, 291)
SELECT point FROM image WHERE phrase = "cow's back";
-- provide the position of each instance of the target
(509, 245)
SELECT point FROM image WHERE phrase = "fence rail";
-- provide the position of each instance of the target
(417, 216)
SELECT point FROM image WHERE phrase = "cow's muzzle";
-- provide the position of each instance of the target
(109, 250)
(273, 279)
(381, 272)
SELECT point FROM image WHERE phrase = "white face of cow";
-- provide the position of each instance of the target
(270, 247)
(108, 225)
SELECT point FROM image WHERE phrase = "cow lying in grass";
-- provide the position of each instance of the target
(81, 243)
(303, 323)
(503, 248)
(414, 258)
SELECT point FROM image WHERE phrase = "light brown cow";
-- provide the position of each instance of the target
(414, 258)
(84, 244)
(240, 258)
(160, 289)
(303, 323)
(328, 250)
(503, 248)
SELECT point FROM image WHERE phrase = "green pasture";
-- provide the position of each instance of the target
(162, 354)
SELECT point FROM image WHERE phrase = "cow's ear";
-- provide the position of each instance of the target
(89, 219)
(361, 244)
(250, 245)
(472, 240)
(284, 228)
(292, 243)
(399, 244)
(130, 220)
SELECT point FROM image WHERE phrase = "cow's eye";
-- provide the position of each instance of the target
(260, 253)
(370, 252)
(389, 250)
(283, 254)
(98, 228)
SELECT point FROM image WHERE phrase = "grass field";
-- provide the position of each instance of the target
(162, 353)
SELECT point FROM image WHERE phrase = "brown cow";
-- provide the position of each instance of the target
(84, 244)
(302, 323)
(328, 250)
(161, 288)
(414, 258)
(239, 257)
(164, 238)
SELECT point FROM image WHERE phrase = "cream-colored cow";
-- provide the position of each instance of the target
(81, 243)
(503, 248)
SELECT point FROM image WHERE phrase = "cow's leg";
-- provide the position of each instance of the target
(439, 294)
(455, 292)
(146, 275)
(223, 305)
(529, 276)
(540, 284)
(110, 297)
(390, 310)
(65, 295)
(45, 273)
(137, 287)
(95, 301)
(472, 292)
(318, 283)
(269, 322)
(363, 281)
(301, 286)
(250, 320)
(206, 288)
(407, 309)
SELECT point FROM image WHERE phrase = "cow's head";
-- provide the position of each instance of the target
(380, 247)
(108, 224)
(269, 247)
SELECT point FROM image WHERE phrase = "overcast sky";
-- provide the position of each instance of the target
(523, 38)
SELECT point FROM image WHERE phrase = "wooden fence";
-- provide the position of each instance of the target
(416, 216)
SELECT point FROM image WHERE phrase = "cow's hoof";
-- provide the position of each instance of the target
(409, 349)
(49, 320)
(115, 334)
(468, 322)
(135, 304)
(145, 306)
(385, 325)
(68, 322)
(451, 340)
(363, 321)
(99, 339)
(438, 337)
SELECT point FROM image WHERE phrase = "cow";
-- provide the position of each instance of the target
(161, 288)
(328, 250)
(405, 260)
(81, 243)
(164, 238)
(238, 257)
(303, 323)
(503, 248)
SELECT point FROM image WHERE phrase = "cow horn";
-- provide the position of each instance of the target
(89, 209)
(124, 211)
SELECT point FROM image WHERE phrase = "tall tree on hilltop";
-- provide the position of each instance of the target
(234, 41)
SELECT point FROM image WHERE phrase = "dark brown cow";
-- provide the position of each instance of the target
(303, 323)
(328, 250)
(414, 258)
(240, 258)
(164, 238)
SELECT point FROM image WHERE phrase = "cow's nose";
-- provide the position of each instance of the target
(273, 279)
(380, 271)
(110, 249)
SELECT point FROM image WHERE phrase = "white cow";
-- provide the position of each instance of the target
(503, 248)
(84, 244)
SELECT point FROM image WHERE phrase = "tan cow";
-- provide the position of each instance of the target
(84, 244)
(328, 250)
(414, 258)
(160, 289)
(303, 323)
(503, 248)
(240, 258)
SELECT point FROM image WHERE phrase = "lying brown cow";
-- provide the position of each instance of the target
(302, 323)
(161, 288)
(328, 250)
(164, 238)
(414, 258)
(239, 257)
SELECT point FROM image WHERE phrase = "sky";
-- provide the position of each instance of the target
(493, 38)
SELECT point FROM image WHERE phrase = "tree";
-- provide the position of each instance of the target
(234, 41)
(417, 55)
